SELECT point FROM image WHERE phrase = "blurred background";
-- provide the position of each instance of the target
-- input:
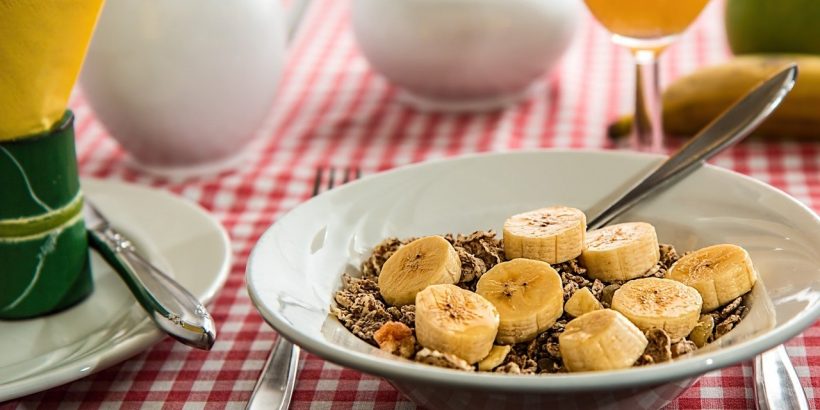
(330, 94)
(240, 106)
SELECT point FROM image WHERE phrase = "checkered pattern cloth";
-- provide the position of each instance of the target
(333, 110)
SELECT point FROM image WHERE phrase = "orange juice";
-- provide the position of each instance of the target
(646, 19)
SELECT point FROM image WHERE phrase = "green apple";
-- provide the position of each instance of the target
(773, 26)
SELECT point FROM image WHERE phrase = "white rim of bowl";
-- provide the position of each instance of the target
(399, 369)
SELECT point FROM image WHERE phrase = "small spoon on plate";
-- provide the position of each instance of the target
(175, 310)
(776, 381)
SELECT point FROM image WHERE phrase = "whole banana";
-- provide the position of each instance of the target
(694, 100)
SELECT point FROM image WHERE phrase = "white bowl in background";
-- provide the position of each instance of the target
(464, 54)
(296, 266)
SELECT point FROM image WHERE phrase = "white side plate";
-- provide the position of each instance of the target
(110, 326)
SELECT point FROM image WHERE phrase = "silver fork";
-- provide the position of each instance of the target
(274, 387)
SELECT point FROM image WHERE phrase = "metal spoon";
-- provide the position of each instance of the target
(776, 382)
(732, 126)
(175, 310)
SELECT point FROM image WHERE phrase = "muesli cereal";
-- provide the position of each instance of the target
(361, 308)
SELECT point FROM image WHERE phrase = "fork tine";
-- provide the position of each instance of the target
(348, 174)
(331, 178)
(317, 182)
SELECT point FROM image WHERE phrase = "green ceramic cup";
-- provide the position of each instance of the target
(44, 261)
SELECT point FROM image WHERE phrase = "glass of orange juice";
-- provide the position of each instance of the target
(646, 28)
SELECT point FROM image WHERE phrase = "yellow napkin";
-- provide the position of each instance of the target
(42, 45)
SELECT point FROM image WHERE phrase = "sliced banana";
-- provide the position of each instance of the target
(495, 358)
(582, 301)
(621, 252)
(426, 261)
(600, 340)
(452, 320)
(720, 273)
(659, 303)
(528, 295)
(553, 235)
(703, 331)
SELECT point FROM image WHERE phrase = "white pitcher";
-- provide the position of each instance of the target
(184, 85)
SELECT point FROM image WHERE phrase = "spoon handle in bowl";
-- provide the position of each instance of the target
(776, 383)
(729, 128)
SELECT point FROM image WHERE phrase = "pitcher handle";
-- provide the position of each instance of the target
(296, 14)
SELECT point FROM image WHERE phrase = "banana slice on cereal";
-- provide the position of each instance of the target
(720, 273)
(660, 303)
(453, 320)
(425, 261)
(621, 252)
(582, 301)
(497, 356)
(600, 340)
(553, 235)
(528, 295)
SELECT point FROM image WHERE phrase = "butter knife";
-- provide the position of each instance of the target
(175, 310)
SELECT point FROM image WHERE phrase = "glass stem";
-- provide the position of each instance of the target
(647, 132)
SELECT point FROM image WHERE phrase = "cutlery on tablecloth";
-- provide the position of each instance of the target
(783, 385)
(776, 381)
(274, 387)
(173, 308)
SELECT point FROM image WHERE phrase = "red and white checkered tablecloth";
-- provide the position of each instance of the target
(332, 110)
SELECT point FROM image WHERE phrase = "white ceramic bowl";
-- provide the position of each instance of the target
(463, 54)
(297, 264)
